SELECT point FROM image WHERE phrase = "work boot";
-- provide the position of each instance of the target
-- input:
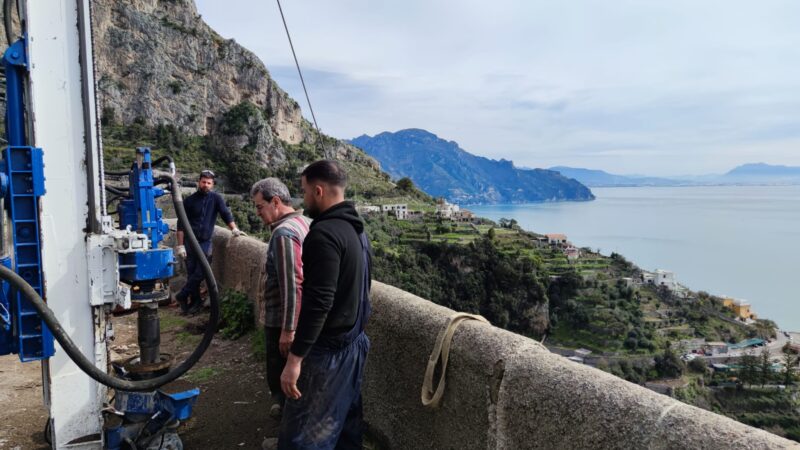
(182, 300)
(276, 411)
(270, 443)
(195, 308)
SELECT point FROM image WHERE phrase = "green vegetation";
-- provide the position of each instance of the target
(178, 27)
(187, 339)
(203, 374)
(590, 302)
(238, 165)
(775, 410)
(238, 318)
(119, 141)
(171, 322)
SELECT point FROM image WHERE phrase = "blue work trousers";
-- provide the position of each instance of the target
(328, 415)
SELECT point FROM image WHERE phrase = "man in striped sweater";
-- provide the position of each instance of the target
(281, 306)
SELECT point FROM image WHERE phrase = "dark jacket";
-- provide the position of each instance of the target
(334, 277)
(202, 210)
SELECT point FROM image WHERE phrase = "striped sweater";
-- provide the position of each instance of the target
(284, 287)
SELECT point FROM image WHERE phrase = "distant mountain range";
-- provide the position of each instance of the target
(443, 169)
(747, 174)
(598, 178)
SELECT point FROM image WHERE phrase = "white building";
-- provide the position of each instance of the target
(556, 239)
(661, 278)
(399, 211)
(572, 253)
(446, 210)
(368, 209)
(665, 278)
(582, 352)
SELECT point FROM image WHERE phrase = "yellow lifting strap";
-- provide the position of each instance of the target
(441, 350)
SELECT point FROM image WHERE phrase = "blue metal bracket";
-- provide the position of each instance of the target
(147, 413)
(25, 171)
(21, 185)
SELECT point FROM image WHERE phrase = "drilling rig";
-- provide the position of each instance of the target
(66, 262)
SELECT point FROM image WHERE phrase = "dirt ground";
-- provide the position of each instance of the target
(231, 412)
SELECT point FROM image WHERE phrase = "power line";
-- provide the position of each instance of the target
(302, 81)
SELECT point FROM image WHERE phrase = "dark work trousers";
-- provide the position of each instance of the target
(275, 364)
(189, 296)
(328, 414)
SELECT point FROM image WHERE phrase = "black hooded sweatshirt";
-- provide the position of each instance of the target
(333, 275)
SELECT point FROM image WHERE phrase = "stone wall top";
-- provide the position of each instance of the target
(503, 391)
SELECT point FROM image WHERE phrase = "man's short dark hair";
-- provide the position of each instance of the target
(326, 171)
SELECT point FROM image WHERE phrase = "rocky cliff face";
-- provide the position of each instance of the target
(159, 63)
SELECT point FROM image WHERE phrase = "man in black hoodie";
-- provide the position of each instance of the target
(323, 373)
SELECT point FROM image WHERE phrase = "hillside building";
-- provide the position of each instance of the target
(368, 209)
(572, 253)
(446, 210)
(399, 211)
(556, 239)
(740, 308)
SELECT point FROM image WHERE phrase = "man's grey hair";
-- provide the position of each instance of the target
(271, 187)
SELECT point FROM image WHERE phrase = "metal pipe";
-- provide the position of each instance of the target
(149, 333)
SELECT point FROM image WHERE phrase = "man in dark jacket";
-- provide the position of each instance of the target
(323, 373)
(202, 209)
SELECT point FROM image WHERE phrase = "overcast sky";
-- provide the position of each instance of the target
(660, 88)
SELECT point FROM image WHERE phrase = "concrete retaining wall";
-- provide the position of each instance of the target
(504, 391)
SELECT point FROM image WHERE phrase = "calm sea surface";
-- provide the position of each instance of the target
(740, 241)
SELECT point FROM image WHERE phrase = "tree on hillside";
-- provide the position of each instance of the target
(664, 293)
(698, 365)
(748, 372)
(405, 184)
(763, 329)
(669, 364)
(790, 363)
(764, 368)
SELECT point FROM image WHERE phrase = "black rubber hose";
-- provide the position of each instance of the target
(162, 159)
(155, 163)
(118, 174)
(162, 180)
(7, 20)
(87, 366)
(124, 192)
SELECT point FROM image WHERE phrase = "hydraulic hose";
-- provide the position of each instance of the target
(88, 366)
(118, 191)
(171, 163)
(8, 21)
(155, 163)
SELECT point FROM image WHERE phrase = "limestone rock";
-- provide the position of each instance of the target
(159, 61)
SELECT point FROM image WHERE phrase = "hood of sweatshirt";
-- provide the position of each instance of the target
(345, 211)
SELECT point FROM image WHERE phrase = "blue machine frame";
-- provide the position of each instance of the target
(21, 186)
(142, 215)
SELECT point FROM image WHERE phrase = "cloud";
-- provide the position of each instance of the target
(626, 86)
